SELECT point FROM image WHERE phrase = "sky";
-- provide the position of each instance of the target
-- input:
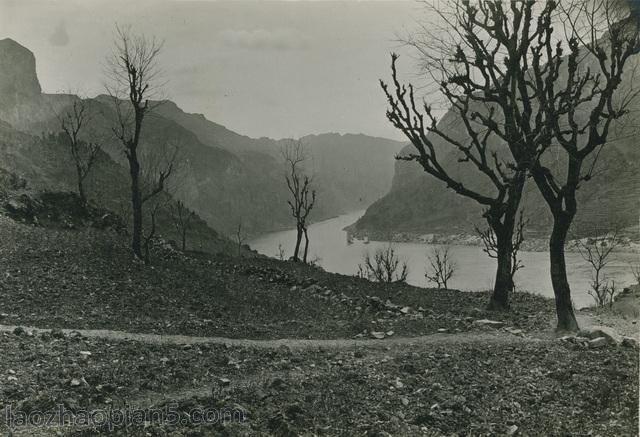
(261, 68)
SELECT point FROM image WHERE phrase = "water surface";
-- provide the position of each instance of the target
(475, 269)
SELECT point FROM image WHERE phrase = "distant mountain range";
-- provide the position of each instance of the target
(229, 178)
(419, 203)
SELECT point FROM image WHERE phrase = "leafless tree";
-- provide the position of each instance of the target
(490, 243)
(384, 266)
(302, 196)
(147, 237)
(182, 221)
(72, 123)
(476, 150)
(597, 251)
(280, 254)
(441, 267)
(133, 75)
(240, 237)
(157, 167)
(547, 74)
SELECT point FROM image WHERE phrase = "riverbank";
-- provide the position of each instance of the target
(628, 242)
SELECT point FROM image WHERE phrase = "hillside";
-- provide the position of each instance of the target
(418, 203)
(85, 329)
(44, 172)
(227, 178)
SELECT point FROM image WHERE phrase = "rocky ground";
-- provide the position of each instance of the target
(283, 349)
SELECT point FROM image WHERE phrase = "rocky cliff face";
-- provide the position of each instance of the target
(419, 203)
(18, 79)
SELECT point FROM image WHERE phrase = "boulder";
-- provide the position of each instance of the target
(594, 332)
(598, 342)
(630, 342)
(315, 288)
(490, 323)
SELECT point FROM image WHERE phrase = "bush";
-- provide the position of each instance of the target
(385, 266)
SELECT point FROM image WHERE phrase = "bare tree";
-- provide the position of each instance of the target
(240, 237)
(490, 243)
(597, 251)
(133, 73)
(150, 234)
(83, 152)
(441, 267)
(546, 74)
(476, 149)
(302, 196)
(182, 221)
(384, 266)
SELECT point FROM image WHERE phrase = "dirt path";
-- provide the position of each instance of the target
(294, 343)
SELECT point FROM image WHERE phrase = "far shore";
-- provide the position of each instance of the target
(530, 244)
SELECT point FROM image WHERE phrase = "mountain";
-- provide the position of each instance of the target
(227, 178)
(419, 203)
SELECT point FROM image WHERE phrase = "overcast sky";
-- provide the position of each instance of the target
(261, 68)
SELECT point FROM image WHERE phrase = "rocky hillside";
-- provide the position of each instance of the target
(418, 203)
(227, 177)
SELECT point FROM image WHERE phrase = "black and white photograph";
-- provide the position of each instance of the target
(290, 218)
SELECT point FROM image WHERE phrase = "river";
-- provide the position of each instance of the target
(475, 270)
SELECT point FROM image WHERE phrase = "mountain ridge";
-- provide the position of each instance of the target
(230, 178)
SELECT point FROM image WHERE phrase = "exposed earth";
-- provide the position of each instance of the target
(197, 344)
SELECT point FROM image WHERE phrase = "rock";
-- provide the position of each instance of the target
(405, 310)
(490, 323)
(630, 342)
(601, 331)
(224, 382)
(57, 333)
(377, 334)
(74, 382)
(294, 411)
(598, 342)
(458, 399)
(404, 401)
(390, 333)
(315, 288)
(19, 80)
(284, 349)
(443, 330)
(514, 331)
(277, 384)
(512, 430)
(390, 305)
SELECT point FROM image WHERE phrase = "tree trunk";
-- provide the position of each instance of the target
(184, 239)
(136, 205)
(504, 282)
(81, 193)
(306, 245)
(503, 230)
(298, 241)
(564, 307)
